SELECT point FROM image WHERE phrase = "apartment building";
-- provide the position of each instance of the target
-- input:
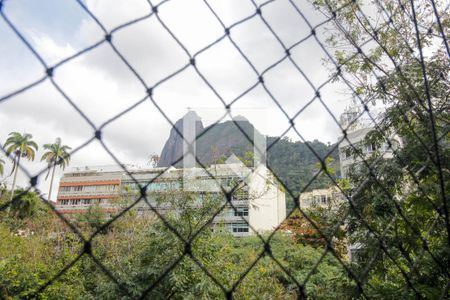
(258, 201)
(85, 187)
(324, 198)
(357, 129)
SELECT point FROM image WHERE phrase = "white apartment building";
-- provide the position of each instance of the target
(324, 198)
(357, 130)
(258, 201)
(356, 134)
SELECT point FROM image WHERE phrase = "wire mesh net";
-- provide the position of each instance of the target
(394, 201)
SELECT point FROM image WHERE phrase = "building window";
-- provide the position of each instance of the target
(65, 188)
(371, 147)
(239, 227)
(241, 212)
(77, 188)
(323, 199)
(74, 202)
(89, 188)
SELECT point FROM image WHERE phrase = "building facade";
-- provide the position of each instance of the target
(257, 201)
(86, 187)
(357, 129)
(324, 198)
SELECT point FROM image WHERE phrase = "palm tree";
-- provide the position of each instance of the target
(21, 145)
(2, 168)
(57, 154)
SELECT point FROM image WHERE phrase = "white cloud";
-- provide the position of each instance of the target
(48, 48)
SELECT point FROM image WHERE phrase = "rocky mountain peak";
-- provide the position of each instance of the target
(173, 148)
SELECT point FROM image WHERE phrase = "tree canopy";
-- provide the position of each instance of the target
(397, 58)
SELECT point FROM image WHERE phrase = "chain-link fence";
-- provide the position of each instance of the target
(394, 213)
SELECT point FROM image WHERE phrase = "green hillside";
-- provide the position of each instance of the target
(293, 162)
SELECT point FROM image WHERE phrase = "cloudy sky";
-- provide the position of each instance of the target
(101, 85)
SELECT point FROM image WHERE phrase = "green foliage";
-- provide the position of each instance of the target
(139, 249)
(56, 154)
(21, 145)
(26, 204)
(26, 265)
(227, 258)
(295, 164)
(33, 249)
(401, 198)
(93, 219)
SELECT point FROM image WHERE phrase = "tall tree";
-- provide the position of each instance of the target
(56, 155)
(20, 145)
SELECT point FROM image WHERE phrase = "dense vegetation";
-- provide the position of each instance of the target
(137, 250)
(296, 165)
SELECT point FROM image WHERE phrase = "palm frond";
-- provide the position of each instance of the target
(57, 154)
(33, 144)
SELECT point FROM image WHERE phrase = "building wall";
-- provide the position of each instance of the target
(80, 190)
(259, 202)
(356, 140)
(267, 204)
(324, 198)
(281, 200)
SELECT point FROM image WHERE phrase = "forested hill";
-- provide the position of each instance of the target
(295, 164)
(292, 161)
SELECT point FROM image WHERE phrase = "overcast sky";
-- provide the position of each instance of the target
(102, 86)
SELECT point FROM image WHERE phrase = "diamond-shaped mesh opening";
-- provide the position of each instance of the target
(276, 216)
